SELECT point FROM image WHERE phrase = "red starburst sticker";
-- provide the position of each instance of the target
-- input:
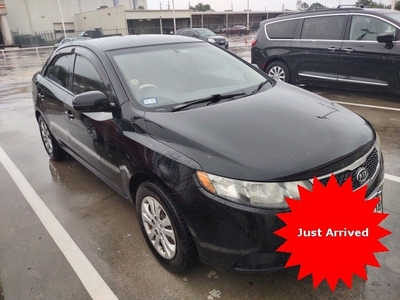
(332, 232)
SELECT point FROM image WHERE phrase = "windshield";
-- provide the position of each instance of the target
(205, 32)
(394, 15)
(160, 77)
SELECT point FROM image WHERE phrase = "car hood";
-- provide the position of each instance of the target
(218, 37)
(281, 133)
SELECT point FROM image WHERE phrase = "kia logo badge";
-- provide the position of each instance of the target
(362, 174)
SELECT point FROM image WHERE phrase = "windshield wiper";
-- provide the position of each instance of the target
(260, 86)
(211, 99)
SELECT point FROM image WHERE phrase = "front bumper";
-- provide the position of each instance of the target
(240, 238)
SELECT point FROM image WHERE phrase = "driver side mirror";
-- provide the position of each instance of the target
(385, 38)
(92, 101)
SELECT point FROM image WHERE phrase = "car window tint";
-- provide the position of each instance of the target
(282, 30)
(59, 70)
(364, 28)
(86, 77)
(323, 28)
(189, 33)
(185, 33)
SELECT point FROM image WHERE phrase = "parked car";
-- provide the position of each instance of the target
(237, 29)
(68, 40)
(96, 33)
(203, 143)
(204, 34)
(218, 28)
(348, 47)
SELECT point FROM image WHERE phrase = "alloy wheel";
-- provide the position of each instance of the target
(277, 73)
(46, 136)
(158, 227)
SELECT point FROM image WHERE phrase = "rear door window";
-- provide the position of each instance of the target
(282, 30)
(323, 28)
(60, 69)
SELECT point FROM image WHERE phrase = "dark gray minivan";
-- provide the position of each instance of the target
(349, 47)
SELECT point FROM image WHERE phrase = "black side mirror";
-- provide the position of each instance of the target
(385, 38)
(93, 101)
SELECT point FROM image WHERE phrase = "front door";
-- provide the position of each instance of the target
(93, 135)
(366, 63)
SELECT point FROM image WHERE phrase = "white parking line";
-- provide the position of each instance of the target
(94, 284)
(392, 178)
(369, 106)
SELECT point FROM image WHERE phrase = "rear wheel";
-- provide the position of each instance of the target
(279, 71)
(52, 147)
(164, 229)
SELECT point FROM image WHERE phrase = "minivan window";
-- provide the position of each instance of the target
(282, 30)
(323, 28)
(366, 28)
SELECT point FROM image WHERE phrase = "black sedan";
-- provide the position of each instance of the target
(204, 34)
(206, 154)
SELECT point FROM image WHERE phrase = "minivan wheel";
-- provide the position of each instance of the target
(278, 71)
(53, 149)
(164, 229)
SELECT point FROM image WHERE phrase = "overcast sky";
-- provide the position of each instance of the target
(240, 5)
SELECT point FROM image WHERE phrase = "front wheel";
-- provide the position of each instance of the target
(279, 71)
(164, 229)
(52, 147)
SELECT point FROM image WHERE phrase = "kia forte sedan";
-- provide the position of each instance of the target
(207, 155)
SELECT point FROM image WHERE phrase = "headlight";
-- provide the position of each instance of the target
(259, 194)
(211, 40)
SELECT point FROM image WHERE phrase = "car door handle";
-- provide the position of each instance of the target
(333, 49)
(41, 96)
(69, 114)
(348, 50)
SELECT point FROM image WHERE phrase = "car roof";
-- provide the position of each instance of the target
(130, 41)
(343, 9)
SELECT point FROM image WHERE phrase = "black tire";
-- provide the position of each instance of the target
(157, 215)
(52, 147)
(279, 71)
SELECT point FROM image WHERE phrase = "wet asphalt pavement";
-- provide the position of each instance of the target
(104, 227)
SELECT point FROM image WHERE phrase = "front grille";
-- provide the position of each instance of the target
(371, 164)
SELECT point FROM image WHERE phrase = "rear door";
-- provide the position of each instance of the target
(364, 61)
(315, 51)
(53, 88)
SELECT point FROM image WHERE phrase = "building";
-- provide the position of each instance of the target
(5, 33)
(41, 22)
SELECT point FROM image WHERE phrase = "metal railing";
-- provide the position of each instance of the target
(22, 53)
